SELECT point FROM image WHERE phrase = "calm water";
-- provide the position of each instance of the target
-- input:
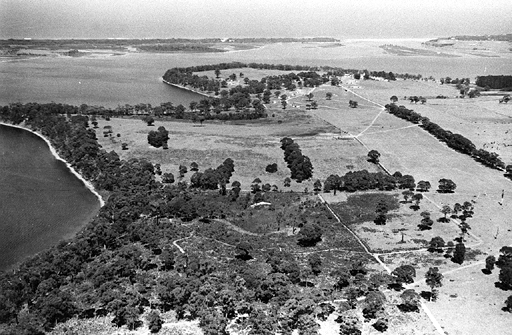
(41, 201)
(135, 78)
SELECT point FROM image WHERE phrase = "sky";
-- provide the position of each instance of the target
(252, 18)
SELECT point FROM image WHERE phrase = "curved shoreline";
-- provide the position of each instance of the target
(55, 154)
(185, 88)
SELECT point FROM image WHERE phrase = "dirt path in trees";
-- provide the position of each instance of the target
(175, 243)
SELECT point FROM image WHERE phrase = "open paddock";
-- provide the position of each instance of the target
(252, 146)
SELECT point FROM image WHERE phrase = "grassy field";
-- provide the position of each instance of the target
(252, 146)
(411, 150)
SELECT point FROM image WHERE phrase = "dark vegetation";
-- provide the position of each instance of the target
(363, 181)
(300, 165)
(453, 140)
(495, 82)
(124, 263)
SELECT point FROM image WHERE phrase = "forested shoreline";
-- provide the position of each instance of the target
(124, 263)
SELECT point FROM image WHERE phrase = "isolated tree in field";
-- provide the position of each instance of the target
(284, 97)
(434, 279)
(436, 244)
(373, 304)
(310, 96)
(505, 99)
(158, 138)
(148, 120)
(426, 222)
(232, 77)
(446, 186)
(107, 131)
(489, 263)
(393, 99)
(328, 95)
(410, 301)
(277, 93)
(271, 168)
(314, 104)
(287, 182)
(217, 73)
(373, 156)
(508, 304)
(309, 235)
(284, 103)
(124, 146)
(460, 252)
(417, 199)
(352, 104)
(423, 100)
(423, 186)
(317, 186)
(408, 194)
(445, 210)
(404, 274)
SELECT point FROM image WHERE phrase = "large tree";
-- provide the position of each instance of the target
(309, 235)
(434, 279)
(446, 186)
(373, 156)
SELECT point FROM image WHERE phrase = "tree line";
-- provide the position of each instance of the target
(494, 82)
(455, 141)
(300, 165)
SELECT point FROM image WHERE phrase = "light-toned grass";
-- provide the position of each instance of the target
(411, 150)
(252, 146)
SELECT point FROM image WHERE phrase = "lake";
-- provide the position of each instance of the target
(41, 201)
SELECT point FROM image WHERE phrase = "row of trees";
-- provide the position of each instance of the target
(455, 141)
(300, 165)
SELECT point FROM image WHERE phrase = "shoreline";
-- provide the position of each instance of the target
(55, 154)
(185, 88)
